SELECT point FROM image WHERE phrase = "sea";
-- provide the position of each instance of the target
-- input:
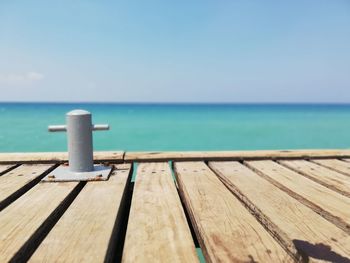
(180, 127)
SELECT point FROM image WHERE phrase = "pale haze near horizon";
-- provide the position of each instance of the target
(175, 51)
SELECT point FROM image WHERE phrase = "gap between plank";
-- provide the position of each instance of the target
(314, 179)
(10, 169)
(331, 168)
(193, 232)
(199, 250)
(29, 247)
(319, 210)
(277, 233)
(21, 191)
(116, 242)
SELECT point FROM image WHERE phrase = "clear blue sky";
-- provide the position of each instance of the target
(175, 51)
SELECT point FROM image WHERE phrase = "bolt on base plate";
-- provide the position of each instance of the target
(64, 174)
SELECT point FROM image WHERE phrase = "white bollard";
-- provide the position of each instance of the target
(79, 130)
(79, 137)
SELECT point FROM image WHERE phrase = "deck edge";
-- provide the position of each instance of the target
(57, 157)
(159, 156)
(235, 155)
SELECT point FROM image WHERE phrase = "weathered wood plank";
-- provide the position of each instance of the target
(56, 157)
(289, 220)
(19, 180)
(227, 232)
(335, 207)
(24, 219)
(84, 231)
(335, 164)
(5, 167)
(118, 156)
(157, 229)
(234, 155)
(331, 179)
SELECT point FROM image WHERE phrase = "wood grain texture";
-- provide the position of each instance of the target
(5, 167)
(119, 156)
(27, 214)
(227, 232)
(84, 231)
(157, 229)
(290, 221)
(336, 165)
(335, 207)
(16, 179)
(329, 178)
(56, 157)
(234, 155)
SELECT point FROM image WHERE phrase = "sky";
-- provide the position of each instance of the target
(217, 51)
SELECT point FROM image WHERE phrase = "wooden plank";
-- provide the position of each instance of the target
(157, 229)
(118, 156)
(227, 232)
(23, 222)
(56, 157)
(234, 155)
(331, 179)
(292, 223)
(84, 231)
(5, 167)
(335, 164)
(19, 180)
(335, 207)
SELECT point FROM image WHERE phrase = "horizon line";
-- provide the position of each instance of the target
(174, 103)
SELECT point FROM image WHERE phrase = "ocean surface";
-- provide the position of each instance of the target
(152, 127)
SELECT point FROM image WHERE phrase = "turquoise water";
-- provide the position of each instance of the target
(181, 127)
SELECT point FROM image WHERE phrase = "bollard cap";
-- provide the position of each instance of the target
(78, 112)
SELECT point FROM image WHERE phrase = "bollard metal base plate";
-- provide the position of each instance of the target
(63, 174)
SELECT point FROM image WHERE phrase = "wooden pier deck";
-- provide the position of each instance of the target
(258, 206)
